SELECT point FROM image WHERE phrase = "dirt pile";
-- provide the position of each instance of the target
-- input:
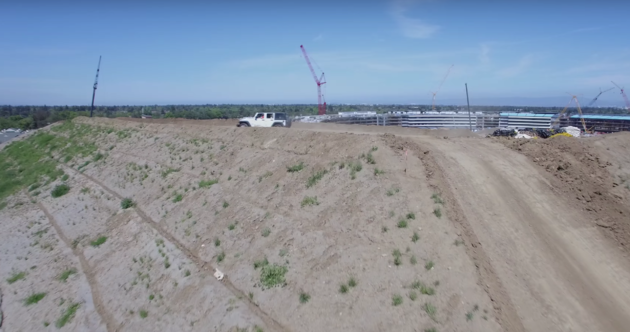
(587, 171)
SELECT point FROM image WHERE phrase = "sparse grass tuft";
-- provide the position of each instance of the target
(370, 159)
(169, 171)
(99, 241)
(402, 223)
(143, 314)
(34, 298)
(429, 265)
(469, 316)
(231, 227)
(309, 201)
(217, 242)
(430, 309)
(127, 203)
(67, 315)
(343, 288)
(458, 242)
(392, 191)
(15, 276)
(384, 229)
(352, 282)
(66, 274)
(437, 199)
(415, 237)
(178, 198)
(413, 260)
(273, 275)
(397, 300)
(207, 183)
(426, 290)
(266, 232)
(433, 329)
(411, 215)
(261, 263)
(225, 204)
(283, 252)
(315, 178)
(304, 297)
(437, 212)
(397, 257)
(60, 190)
(221, 256)
(296, 168)
(378, 172)
(413, 295)
(187, 273)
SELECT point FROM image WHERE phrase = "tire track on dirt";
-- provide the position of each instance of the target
(504, 309)
(109, 320)
(203, 265)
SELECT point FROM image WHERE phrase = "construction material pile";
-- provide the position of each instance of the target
(534, 133)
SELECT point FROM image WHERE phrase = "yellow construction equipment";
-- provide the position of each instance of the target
(577, 103)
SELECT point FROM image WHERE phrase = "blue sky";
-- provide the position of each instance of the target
(509, 52)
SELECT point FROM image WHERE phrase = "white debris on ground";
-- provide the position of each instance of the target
(573, 131)
(523, 136)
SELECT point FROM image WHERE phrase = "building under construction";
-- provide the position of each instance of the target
(602, 123)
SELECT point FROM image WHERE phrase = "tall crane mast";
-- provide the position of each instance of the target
(95, 85)
(595, 99)
(321, 108)
(441, 83)
(625, 98)
(573, 97)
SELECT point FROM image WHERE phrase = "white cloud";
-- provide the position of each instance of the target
(483, 54)
(411, 27)
(519, 68)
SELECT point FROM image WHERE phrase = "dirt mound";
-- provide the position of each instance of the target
(591, 171)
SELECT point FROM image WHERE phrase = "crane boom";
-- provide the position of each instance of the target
(565, 109)
(98, 69)
(595, 99)
(321, 108)
(623, 93)
(440, 87)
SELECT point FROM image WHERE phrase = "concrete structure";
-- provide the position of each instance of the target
(602, 123)
(526, 120)
(438, 120)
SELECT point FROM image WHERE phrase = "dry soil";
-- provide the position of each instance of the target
(500, 234)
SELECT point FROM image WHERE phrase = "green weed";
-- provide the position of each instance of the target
(99, 241)
(413, 260)
(178, 198)
(231, 226)
(15, 276)
(304, 297)
(207, 183)
(352, 282)
(296, 168)
(67, 315)
(429, 265)
(343, 288)
(437, 212)
(67, 273)
(168, 171)
(261, 263)
(430, 309)
(315, 178)
(397, 300)
(413, 295)
(402, 223)
(378, 172)
(221, 256)
(273, 275)
(225, 204)
(266, 232)
(60, 190)
(34, 298)
(143, 314)
(411, 215)
(415, 237)
(309, 201)
(437, 199)
(127, 203)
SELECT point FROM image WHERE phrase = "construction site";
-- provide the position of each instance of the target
(418, 220)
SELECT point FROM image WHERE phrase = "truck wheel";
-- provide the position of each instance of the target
(277, 125)
(244, 124)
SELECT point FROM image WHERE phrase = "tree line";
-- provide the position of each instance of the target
(33, 117)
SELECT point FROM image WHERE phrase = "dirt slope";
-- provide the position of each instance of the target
(490, 243)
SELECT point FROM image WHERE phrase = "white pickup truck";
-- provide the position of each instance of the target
(266, 120)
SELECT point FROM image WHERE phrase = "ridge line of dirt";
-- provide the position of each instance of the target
(110, 322)
(269, 321)
(504, 309)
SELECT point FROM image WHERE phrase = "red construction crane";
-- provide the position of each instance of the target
(321, 80)
(624, 96)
